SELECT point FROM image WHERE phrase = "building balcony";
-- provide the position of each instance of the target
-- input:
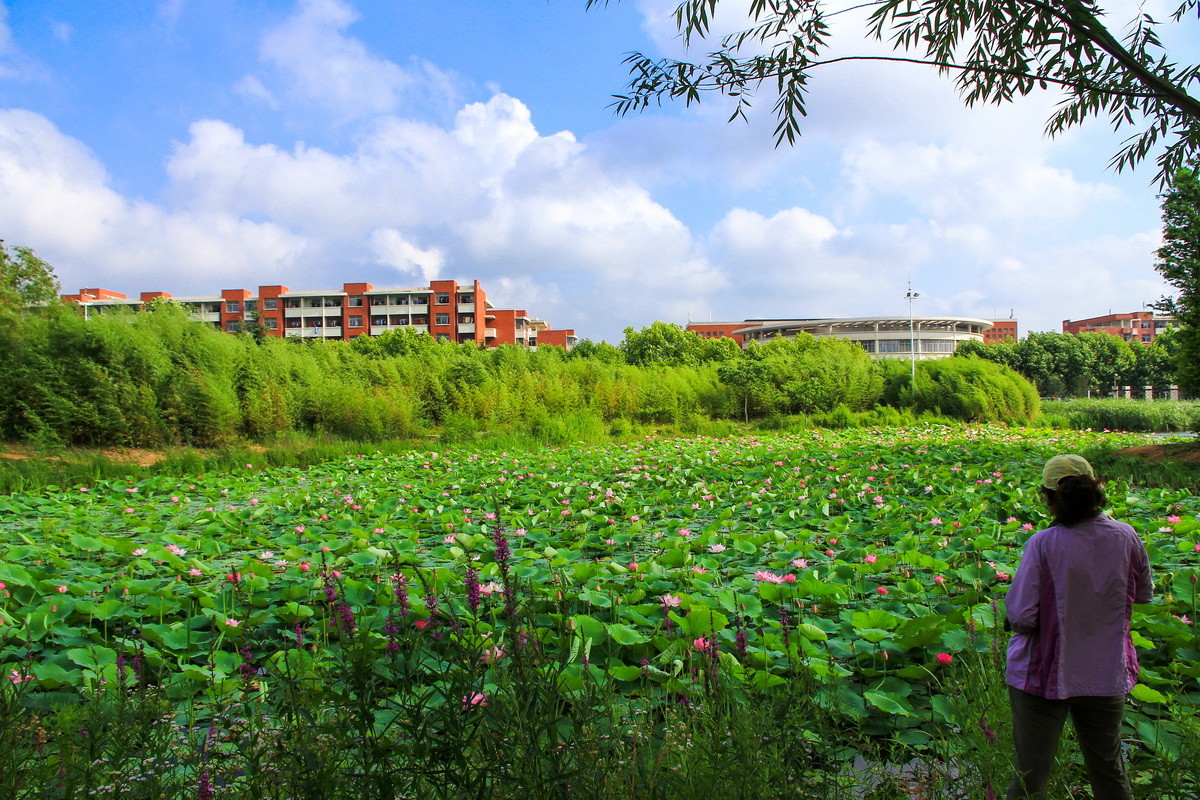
(466, 307)
(489, 333)
(466, 327)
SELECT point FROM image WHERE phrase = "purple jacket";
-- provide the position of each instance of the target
(1069, 606)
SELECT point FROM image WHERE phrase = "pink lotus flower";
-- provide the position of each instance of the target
(305, 566)
(176, 549)
(451, 539)
(700, 570)
(1174, 519)
(670, 600)
(829, 552)
(767, 577)
(380, 531)
(944, 659)
(702, 644)
(871, 558)
(939, 580)
(141, 551)
(789, 578)
(881, 590)
(62, 589)
(233, 623)
(474, 699)
(935, 521)
(633, 566)
(716, 548)
(299, 529)
(195, 572)
(1028, 526)
(491, 655)
(800, 563)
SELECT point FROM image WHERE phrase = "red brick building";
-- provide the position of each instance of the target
(447, 310)
(1002, 330)
(719, 330)
(1136, 326)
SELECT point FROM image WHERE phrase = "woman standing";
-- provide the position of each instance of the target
(1071, 653)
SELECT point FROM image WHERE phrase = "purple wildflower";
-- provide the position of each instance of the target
(401, 594)
(298, 632)
(991, 737)
(503, 554)
(204, 788)
(246, 668)
(471, 584)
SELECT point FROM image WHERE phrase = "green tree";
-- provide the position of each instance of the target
(995, 50)
(749, 377)
(25, 278)
(1179, 263)
(662, 343)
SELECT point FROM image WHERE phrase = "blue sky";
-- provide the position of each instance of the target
(190, 146)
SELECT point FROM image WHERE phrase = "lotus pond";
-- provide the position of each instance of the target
(872, 563)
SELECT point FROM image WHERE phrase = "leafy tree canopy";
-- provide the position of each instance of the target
(994, 50)
(24, 278)
(1179, 263)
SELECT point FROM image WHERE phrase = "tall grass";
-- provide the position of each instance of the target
(1124, 415)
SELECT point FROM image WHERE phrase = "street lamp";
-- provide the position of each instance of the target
(912, 334)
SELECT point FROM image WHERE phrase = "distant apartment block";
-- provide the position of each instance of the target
(1136, 326)
(882, 337)
(446, 310)
(1002, 330)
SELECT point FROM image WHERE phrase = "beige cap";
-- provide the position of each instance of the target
(1060, 467)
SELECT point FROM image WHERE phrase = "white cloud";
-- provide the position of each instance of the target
(391, 248)
(318, 64)
(61, 31)
(54, 196)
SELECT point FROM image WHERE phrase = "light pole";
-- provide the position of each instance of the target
(912, 334)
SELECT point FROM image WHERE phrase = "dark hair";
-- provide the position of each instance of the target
(1078, 498)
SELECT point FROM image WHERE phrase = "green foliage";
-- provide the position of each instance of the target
(1125, 415)
(25, 279)
(668, 613)
(964, 388)
(1091, 363)
(995, 51)
(1179, 264)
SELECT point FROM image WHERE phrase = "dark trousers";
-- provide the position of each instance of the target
(1037, 726)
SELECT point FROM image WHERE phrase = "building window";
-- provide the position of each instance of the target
(467, 297)
(867, 345)
(291, 302)
(441, 319)
(270, 303)
(270, 323)
(442, 298)
(443, 337)
(233, 326)
(333, 322)
(293, 322)
(355, 321)
(420, 299)
(937, 345)
(233, 307)
(399, 319)
(356, 302)
(1146, 338)
(520, 324)
(379, 301)
(894, 345)
(420, 319)
(466, 319)
(379, 321)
